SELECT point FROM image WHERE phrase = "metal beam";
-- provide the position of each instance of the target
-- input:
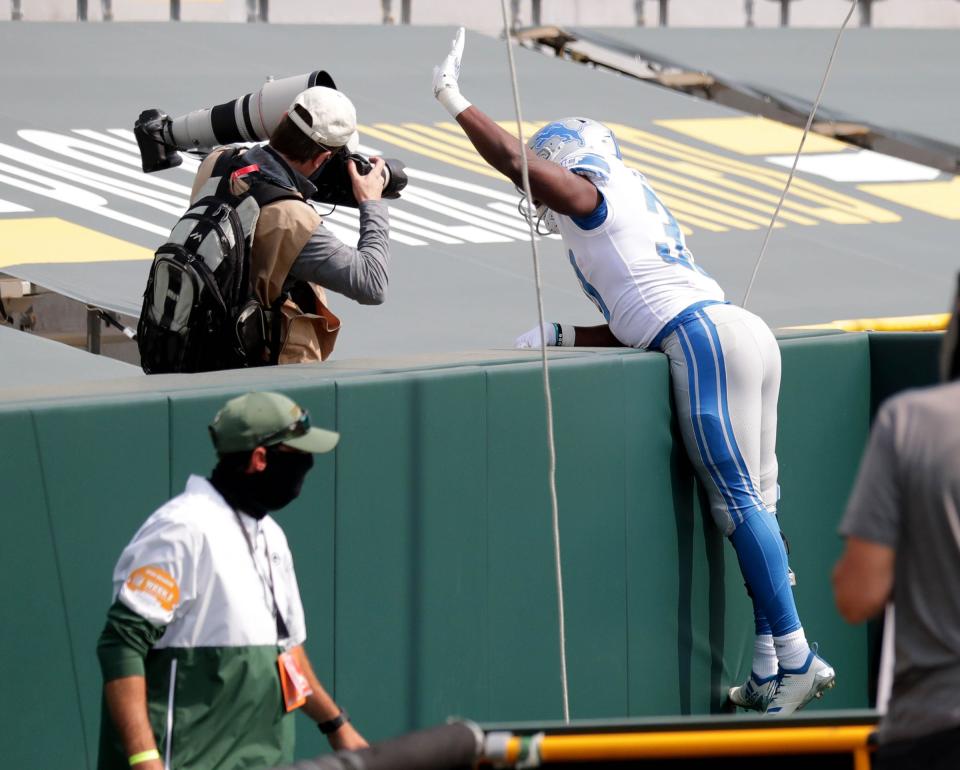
(174, 10)
(16, 12)
(93, 330)
(663, 12)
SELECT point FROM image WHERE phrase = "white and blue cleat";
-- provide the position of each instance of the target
(797, 687)
(755, 693)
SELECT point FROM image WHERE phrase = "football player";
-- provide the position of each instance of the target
(630, 257)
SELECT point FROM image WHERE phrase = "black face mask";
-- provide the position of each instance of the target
(271, 489)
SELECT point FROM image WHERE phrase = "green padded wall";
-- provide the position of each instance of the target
(901, 360)
(37, 679)
(423, 545)
(411, 549)
(823, 425)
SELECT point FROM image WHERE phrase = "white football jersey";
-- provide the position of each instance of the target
(631, 259)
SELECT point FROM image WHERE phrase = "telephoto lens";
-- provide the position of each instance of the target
(251, 118)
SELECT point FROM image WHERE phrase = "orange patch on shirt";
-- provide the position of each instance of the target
(155, 582)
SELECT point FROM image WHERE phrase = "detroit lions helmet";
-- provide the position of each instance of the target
(580, 145)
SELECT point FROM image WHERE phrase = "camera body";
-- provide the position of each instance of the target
(333, 180)
(251, 118)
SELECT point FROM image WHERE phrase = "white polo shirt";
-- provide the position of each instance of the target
(205, 572)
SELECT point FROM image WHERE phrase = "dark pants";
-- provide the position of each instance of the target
(938, 751)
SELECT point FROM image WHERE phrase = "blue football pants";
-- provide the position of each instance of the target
(725, 370)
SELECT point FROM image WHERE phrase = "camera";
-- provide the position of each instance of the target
(252, 118)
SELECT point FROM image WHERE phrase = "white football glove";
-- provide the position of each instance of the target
(446, 89)
(531, 339)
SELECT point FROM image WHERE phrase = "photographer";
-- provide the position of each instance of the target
(293, 254)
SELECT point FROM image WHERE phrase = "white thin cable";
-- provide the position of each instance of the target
(796, 160)
(551, 446)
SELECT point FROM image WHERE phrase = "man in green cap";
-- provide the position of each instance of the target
(202, 653)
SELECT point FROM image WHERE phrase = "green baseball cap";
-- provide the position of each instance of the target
(265, 419)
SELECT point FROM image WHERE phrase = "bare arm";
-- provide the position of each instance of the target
(127, 703)
(560, 190)
(320, 707)
(863, 579)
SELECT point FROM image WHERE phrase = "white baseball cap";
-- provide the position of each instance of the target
(333, 117)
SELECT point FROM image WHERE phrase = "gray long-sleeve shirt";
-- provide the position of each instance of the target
(359, 273)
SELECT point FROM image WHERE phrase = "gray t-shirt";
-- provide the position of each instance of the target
(907, 496)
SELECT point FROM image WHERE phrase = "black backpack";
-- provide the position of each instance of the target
(199, 313)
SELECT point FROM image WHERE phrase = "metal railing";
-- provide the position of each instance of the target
(259, 11)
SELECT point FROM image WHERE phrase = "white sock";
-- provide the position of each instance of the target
(792, 649)
(764, 656)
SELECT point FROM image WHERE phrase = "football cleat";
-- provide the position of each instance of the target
(755, 693)
(798, 686)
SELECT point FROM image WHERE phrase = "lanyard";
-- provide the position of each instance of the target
(282, 632)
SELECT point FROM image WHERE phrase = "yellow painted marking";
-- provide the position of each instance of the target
(689, 215)
(458, 140)
(716, 185)
(49, 239)
(703, 213)
(942, 199)
(773, 177)
(415, 147)
(417, 136)
(752, 135)
(833, 206)
(748, 218)
(709, 190)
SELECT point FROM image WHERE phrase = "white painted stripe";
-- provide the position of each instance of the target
(511, 210)
(165, 202)
(78, 150)
(458, 184)
(859, 166)
(427, 231)
(464, 212)
(348, 231)
(436, 230)
(6, 207)
(71, 195)
(124, 133)
(112, 141)
(189, 163)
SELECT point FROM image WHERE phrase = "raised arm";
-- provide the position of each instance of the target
(560, 190)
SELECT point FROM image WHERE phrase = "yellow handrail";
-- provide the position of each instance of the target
(705, 743)
(908, 323)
